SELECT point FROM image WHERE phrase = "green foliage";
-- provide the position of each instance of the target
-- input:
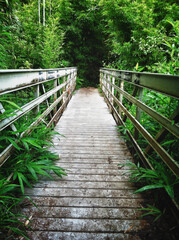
(89, 34)
(152, 210)
(84, 39)
(152, 179)
(144, 32)
(30, 159)
(79, 83)
(10, 220)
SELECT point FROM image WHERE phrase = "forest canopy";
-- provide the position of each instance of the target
(140, 35)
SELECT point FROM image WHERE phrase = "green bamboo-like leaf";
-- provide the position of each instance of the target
(59, 173)
(149, 187)
(18, 231)
(14, 143)
(169, 189)
(12, 104)
(168, 142)
(32, 171)
(45, 162)
(26, 146)
(31, 141)
(20, 182)
(26, 181)
(7, 188)
(42, 172)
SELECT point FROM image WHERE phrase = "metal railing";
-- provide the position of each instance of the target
(113, 86)
(51, 90)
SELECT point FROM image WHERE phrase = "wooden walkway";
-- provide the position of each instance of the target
(95, 200)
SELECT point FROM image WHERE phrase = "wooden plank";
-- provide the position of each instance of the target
(94, 171)
(72, 165)
(94, 155)
(67, 192)
(60, 201)
(82, 212)
(81, 236)
(85, 185)
(87, 225)
(109, 161)
(92, 177)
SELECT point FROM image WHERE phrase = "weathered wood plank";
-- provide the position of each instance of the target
(82, 212)
(70, 192)
(37, 235)
(87, 225)
(85, 184)
(92, 178)
(86, 202)
(71, 165)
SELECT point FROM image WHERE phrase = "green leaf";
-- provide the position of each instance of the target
(14, 143)
(149, 187)
(20, 181)
(168, 142)
(169, 190)
(18, 231)
(12, 104)
(26, 146)
(32, 171)
(31, 141)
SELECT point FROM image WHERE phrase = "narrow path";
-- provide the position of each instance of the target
(95, 200)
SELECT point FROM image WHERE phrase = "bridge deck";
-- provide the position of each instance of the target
(95, 200)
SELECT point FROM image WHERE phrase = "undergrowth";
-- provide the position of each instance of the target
(30, 159)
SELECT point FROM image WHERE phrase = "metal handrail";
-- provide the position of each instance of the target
(64, 82)
(166, 84)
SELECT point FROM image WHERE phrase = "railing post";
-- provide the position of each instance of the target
(112, 90)
(36, 95)
(109, 88)
(121, 85)
(138, 112)
(102, 81)
(67, 86)
(55, 95)
(70, 84)
(64, 89)
(75, 75)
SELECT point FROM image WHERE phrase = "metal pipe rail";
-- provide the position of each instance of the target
(62, 82)
(112, 84)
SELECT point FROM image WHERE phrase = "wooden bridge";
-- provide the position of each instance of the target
(95, 200)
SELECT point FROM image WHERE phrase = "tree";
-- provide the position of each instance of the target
(84, 39)
(39, 2)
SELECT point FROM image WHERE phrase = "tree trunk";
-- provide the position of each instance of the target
(39, 10)
(43, 12)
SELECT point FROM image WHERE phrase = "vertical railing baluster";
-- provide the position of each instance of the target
(108, 87)
(55, 95)
(103, 82)
(113, 82)
(138, 112)
(64, 89)
(36, 95)
(100, 80)
(121, 85)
